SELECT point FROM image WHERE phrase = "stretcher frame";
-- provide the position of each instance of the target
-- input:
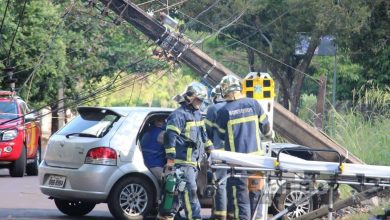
(328, 173)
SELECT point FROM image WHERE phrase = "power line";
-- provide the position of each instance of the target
(17, 27)
(5, 13)
(248, 46)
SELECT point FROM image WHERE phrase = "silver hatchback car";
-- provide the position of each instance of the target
(96, 158)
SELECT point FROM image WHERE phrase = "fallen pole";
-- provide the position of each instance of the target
(353, 200)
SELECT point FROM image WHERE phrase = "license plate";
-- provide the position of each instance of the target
(56, 181)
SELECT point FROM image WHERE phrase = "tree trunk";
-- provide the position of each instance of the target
(299, 75)
(251, 59)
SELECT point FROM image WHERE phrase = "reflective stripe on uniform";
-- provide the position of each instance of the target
(188, 204)
(177, 161)
(262, 117)
(219, 213)
(174, 128)
(235, 202)
(221, 130)
(208, 122)
(189, 154)
(233, 122)
(190, 124)
(170, 150)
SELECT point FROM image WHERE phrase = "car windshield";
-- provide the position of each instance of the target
(8, 110)
(90, 123)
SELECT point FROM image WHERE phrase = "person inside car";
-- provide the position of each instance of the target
(152, 147)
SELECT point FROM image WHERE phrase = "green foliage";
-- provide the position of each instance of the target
(308, 108)
(154, 90)
(369, 45)
(31, 43)
(361, 128)
(272, 29)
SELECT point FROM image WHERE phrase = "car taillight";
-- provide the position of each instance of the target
(102, 156)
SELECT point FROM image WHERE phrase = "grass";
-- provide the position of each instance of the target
(363, 128)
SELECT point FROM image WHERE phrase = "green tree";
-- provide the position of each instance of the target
(272, 30)
(35, 54)
(369, 45)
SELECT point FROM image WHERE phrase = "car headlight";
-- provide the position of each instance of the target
(9, 135)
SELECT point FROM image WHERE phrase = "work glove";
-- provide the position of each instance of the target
(270, 135)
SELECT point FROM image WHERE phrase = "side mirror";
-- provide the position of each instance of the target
(29, 117)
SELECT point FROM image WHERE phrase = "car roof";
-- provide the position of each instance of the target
(8, 95)
(124, 111)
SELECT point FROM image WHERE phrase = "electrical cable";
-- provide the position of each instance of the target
(43, 55)
(5, 13)
(16, 31)
(2, 23)
(255, 49)
(87, 98)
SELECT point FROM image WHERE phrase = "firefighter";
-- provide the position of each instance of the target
(185, 143)
(240, 122)
(219, 200)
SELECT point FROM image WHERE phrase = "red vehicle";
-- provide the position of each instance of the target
(20, 136)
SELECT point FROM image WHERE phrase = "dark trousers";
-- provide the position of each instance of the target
(254, 197)
(220, 197)
(238, 198)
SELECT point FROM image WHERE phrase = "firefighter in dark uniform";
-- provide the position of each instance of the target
(220, 201)
(185, 143)
(240, 122)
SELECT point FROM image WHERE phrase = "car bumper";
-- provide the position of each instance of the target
(87, 183)
(16, 145)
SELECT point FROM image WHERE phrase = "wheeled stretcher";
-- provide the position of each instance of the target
(279, 168)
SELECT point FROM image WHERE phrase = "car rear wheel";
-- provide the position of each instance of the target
(18, 167)
(32, 168)
(74, 208)
(290, 196)
(131, 198)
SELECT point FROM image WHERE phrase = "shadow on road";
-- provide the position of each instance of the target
(48, 214)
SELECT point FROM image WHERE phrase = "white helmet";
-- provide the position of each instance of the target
(229, 84)
(216, 94)
(196, 90)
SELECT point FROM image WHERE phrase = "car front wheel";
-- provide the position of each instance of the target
(74, 208)
(18, 167)
(131, 198)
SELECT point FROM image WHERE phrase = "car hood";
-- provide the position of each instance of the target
(7, 124)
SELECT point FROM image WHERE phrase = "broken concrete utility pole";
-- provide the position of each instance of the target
(285, 123)
(353, 200)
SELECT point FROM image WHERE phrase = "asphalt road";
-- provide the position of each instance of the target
(20, 198)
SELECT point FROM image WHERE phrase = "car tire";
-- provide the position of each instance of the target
(74, 208)
(290, 195)
(131, 198)
(32, 168)
(18, 167)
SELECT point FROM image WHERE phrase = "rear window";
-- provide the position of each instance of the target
(8, 110)
(92, 121)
